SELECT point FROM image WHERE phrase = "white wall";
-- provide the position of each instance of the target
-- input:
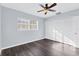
(64, 28)
(12, 37)
(0, 29)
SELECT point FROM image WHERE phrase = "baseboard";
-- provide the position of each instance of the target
(19, 44)
(33, 41)
(67, 44)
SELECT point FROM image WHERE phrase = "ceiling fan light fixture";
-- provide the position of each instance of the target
(47, 8)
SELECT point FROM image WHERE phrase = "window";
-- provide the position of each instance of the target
(33, 25)
(24, 25)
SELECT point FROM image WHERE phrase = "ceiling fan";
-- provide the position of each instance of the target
(47, 8)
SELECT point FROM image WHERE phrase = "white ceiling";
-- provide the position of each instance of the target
(32, 8)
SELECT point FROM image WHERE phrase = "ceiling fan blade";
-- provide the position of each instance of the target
(54, 4)
(52, 10)
(42, 6)
(40, 10)
(46, 5)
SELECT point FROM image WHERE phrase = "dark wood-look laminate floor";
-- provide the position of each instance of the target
(44, 47)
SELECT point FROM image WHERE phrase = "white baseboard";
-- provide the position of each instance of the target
(32, 41)
(19, 44)
(76, 46)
